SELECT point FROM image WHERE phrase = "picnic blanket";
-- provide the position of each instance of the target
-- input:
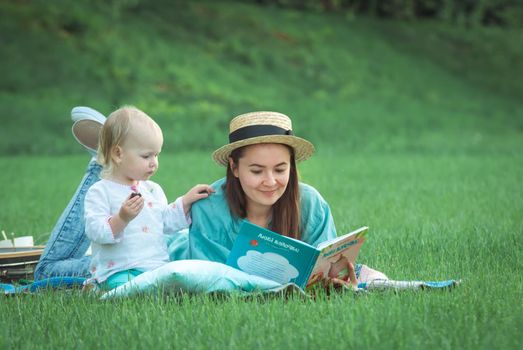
(49, 283)
(202, 276)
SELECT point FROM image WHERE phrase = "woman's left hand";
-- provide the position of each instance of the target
(350, 283)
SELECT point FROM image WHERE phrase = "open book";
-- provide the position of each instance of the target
(264, 253)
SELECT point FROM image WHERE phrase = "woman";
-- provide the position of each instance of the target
(261, 185)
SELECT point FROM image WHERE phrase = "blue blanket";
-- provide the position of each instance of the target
(49, 283)
(202, 276)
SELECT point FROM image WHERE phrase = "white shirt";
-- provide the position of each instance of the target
(141, 245)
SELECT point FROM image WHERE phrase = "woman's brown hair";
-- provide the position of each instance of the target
(285, 212)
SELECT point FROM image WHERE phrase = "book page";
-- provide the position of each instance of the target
(269, 265)
(336, 254)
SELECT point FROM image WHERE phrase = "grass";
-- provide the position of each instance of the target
(417, 128)
(408, 86)
(431, 218)
(204, 323)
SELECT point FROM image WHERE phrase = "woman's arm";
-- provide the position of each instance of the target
(213, 230)
(317, 224)
(202, 247)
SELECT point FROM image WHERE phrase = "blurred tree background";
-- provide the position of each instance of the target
(506, 13)
(422, 76)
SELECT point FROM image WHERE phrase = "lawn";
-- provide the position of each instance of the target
(431, 217)
(418, 128)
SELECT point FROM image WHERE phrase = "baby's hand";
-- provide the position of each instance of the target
(196, 193)
(132, 206)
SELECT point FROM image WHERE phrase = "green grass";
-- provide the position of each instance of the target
(431, 217)
(418, 129)
(408, 86)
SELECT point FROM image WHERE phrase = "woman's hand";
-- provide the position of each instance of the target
(194, 194)
(349, 283)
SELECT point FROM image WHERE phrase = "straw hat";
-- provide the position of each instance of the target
(262, 127)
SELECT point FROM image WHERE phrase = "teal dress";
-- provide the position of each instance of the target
(214, 229)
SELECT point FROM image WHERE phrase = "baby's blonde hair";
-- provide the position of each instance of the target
(114, 133)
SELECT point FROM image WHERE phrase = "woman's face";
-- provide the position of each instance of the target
(263, 172)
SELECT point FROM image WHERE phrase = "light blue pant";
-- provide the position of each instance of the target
(64, 254)
(120, 278)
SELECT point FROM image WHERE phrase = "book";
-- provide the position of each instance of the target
(20, 254)
(18, 262)
(261, 252)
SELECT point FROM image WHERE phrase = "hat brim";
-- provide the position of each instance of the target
(303, 149)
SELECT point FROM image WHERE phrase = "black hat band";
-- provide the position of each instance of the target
(251, 131)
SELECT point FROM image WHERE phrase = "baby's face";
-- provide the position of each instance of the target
(139, 154)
